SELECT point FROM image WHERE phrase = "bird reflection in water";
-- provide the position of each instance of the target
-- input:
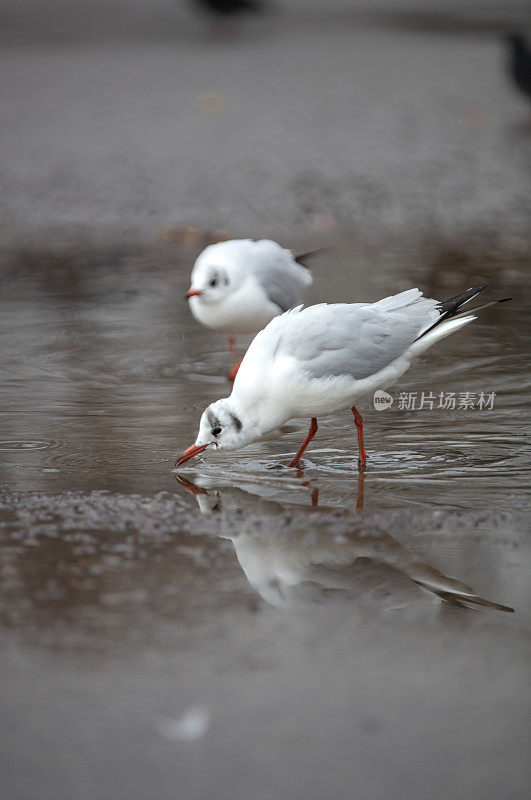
(208, 501)
(287, 564)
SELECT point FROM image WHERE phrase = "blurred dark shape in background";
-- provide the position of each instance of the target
(231, 7)
(520, 63)
(227, 16)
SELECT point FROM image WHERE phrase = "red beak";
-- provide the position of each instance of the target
(190, 452)
(193, 292)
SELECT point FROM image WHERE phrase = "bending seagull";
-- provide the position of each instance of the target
(323, 359)
(239, 286)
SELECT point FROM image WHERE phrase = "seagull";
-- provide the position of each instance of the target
(520, 63)
(291, 567)
(287, 565)
(323, 359)
(240, 285)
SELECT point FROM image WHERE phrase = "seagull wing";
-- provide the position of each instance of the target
(280, 276)
(357, 339)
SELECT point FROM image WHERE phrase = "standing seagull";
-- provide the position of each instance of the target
(240, 285)
(520, 63)
(323, 359)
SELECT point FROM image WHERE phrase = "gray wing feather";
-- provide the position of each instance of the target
(282, 282)
(352, 339)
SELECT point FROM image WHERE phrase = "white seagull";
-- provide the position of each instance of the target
(291, 567)
(240, 285)
(323, 359)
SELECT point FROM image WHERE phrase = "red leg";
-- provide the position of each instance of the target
(232, 348)
(311, 433)
(234, 359)
(362, 460)
(231, 374)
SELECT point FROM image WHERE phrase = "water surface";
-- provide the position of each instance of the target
(287, 610)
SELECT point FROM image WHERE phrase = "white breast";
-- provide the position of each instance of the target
(247, 310)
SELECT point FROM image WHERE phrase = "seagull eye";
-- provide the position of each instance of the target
(214, 282)
(216, 431)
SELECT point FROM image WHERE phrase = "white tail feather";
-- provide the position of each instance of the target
(439, 332)
(400, 300)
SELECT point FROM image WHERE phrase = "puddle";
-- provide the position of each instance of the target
(237, 600)
(106, 375)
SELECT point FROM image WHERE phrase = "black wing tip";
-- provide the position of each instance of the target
(473, 601)
(507, 609)
(497, 606)
(493, 605)
(451, 306)
(300, 257)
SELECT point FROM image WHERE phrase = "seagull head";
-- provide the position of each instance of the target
(220, 428)
(210, 284)
(220, 270)
(217, 272)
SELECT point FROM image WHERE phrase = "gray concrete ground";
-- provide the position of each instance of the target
(319, 115)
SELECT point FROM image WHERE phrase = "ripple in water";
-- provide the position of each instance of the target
(26, 444)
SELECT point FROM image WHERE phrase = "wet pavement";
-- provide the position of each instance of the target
(238, 629)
